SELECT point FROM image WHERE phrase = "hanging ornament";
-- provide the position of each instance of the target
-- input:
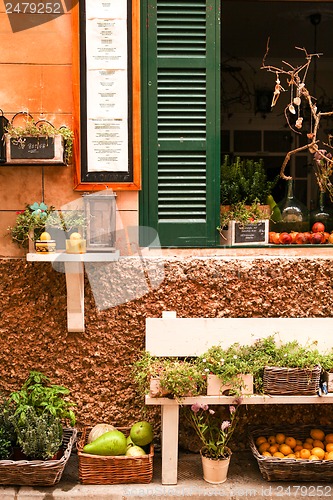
(292, 109)
(297, 101)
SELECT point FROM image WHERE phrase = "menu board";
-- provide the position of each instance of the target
(106, 114)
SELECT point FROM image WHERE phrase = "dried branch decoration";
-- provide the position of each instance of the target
(295, 77)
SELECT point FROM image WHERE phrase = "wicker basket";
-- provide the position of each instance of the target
(96, 469)
(279, 380)
(38, 472)
(289, 469)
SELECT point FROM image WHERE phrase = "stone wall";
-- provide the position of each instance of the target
(96, 365)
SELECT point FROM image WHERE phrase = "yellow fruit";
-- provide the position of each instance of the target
(313, 457)
(329, 438)
(290, 441)
(317, 434)
(75, 236)
(271, 440)
(278, 454)
(280, 438)
(264, 447)
(273, 448)
(329, 455)
(329, 447)
(304, 453)
(319, 444)
(285, 449)
(319, 452)
(45, 236)
(260, 440)
(307, 446)
(266, 454)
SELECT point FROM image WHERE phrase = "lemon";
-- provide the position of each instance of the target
(45, 236)
(75, 236)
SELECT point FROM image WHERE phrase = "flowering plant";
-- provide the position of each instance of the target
(213, 434)
(34, 217)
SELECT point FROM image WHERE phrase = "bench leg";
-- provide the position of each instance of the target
(170, 422)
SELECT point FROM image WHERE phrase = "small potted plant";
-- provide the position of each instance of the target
(229, 371)
(37, 142)
(167, 377)
(214, 434)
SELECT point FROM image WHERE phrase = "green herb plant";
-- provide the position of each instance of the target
(31, 220)
(45, 398)
(5, 444)
(20, 133)
(244, 180)
(242, 214)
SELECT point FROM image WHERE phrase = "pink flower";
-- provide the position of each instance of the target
(225, 424)
(232, 409)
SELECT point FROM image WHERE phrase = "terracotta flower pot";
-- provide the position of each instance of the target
(215, 386)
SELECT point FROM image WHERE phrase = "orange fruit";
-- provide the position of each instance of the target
(264, 447)
(329, 447)
(298, 447)
(313, 457)
(307, 446)
(291, 455)
(318, 443)
(271, 440)
(297, 454)
(290, 441)
(317, 434)
(304, 453)
(329, 455)
(280, 437)
(299, 442)
(266, 454)
(319, 452)
(273, 448)
(285, 449)
(278, 454)
(260, 440)
(329, 438)
(309, 440)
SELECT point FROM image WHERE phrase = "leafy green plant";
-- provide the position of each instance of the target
(43, 397)
(242, 214)
(30, 220)
(244, 181)
(66, 220)
(38, 435)
(177, 377)
(5, 444)
(20, 133)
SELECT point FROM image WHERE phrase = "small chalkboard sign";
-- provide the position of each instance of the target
(250, 233)
(32, 147)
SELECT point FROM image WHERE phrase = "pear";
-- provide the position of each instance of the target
(110, 443)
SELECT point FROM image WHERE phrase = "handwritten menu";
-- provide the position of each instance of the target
(107, 87)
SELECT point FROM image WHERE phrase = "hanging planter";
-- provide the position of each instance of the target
(37, 143)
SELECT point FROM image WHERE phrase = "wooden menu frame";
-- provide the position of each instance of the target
(97, 181)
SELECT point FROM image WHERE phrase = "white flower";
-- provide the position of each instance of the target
(235, 357)
(204, 360)
(206, 369)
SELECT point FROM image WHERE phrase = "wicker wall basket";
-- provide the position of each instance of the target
(38, 472)
(289, 469)
(96, 469)
(279, 380)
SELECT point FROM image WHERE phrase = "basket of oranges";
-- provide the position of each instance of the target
(303, 453)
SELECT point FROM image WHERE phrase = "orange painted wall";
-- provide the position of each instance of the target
(36, 76)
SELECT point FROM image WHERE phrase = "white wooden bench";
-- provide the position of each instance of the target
(184, 337)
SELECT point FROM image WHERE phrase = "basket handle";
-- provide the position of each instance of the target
(43, 120)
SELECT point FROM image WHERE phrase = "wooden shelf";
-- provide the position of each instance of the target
(74, 270)
(246, 400)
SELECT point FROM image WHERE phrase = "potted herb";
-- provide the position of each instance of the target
(244, 224)
(37, 142)
(244, 181)
(37, 413)
(171, 377)
(229, 371)
(30, 223)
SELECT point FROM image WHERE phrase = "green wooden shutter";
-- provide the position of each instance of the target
(180, 116)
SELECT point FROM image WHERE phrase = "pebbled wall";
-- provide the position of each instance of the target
(96, 365)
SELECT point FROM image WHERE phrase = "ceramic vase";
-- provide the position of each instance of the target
(215, 471)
